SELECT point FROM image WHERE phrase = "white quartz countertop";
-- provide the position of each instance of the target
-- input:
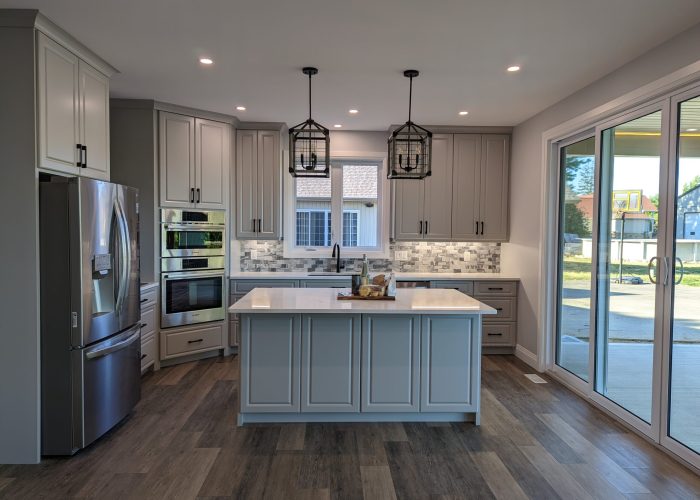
(399, 276)
(324, 301)
(148, 285)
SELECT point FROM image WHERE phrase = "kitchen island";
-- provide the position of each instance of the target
(307, 357)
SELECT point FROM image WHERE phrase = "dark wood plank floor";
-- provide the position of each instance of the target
(536, 441)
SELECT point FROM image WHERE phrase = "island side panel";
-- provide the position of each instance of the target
(390, 363)
(270, 363)
(330, 363)
(450, 363)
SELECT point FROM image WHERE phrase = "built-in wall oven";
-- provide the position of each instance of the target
(193, 261)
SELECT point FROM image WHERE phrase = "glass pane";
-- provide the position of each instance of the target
(684, 425)
(313, 212)
(360, 205)
(575, 256)
(193, 294)
(193, 240)
(626, 302)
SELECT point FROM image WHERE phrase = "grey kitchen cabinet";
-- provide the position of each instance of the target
(270, 362)
(73, 118)
(390, 363)
(149, 327)
(194, 161)
(258, 184)
(330, 363)
(450, 365)
(466, 196)
(423, 209)
(326, 283)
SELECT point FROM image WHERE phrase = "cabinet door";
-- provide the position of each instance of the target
(450, 364)
(466, 176)
(269, 182)
(408, 209)
(176, 147)
(437, 212)
(57, 75)
(330, 363)
(390, 363)
(493, 199)
(212, 163)
(94, 121)
(270, 355)
(246, 184)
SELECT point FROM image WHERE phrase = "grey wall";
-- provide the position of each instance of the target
(19, 283)
(521, 255)
(350, 140)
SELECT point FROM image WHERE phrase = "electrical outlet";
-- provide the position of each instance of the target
(253, 254)
(401, 255)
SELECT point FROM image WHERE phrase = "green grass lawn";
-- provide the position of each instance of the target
(579, 269)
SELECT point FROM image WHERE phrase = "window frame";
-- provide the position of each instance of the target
(338, 159)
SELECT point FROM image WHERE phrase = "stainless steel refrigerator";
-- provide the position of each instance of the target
(90, 310)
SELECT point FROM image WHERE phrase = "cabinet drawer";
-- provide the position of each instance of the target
(505, 308)
(234, 333)
(498, 334)
(334, 283)
(245, 286)
(149, 298)
(148, 353)
(496, 288)
(463, 286)
(148, 321)
(195, 340)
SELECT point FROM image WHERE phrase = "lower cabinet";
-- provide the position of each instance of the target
(270, 362)
(330, 363)
(187, 340)
(390, 363)
(449, 367)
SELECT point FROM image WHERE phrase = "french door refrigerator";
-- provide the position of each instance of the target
(90, 310)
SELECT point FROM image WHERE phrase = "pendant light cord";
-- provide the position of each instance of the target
(309, 96)
(410, 98)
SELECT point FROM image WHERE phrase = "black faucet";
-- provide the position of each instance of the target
(336, 256)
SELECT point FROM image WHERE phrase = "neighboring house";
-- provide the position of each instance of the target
(688, 215)
(641, 224)
(313, 209)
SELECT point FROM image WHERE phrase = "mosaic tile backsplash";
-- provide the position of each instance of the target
(422, 257)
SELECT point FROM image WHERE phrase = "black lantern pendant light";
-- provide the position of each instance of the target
(309, 145)
(410, 146)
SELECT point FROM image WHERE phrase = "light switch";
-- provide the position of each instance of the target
(401, 255)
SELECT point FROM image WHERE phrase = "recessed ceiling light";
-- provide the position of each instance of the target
(513, 69)
(463, 113)
(240, 108)
(337, 125)
(353, 111)
(206, 60)
(691, 130)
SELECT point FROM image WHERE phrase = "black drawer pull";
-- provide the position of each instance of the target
(494, 334)
(143, 356)
(496, 288)
(144, 300)
(499, 309)
(144, 325)
(195, 341)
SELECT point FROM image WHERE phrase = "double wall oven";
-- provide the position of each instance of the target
(193, 259)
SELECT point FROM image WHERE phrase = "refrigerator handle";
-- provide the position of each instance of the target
(124, 249)
(117, 346)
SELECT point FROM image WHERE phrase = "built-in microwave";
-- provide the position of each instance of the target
(192, 233)
(192, 297)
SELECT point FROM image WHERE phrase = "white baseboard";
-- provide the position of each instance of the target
(527, 356)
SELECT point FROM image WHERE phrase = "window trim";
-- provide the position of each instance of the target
(290, 250)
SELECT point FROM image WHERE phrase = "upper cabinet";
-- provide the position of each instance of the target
(194, 161)
(73, 121)
(258, 184)
(466, 196)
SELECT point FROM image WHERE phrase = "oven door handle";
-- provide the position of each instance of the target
(196, 274)
(194, 227)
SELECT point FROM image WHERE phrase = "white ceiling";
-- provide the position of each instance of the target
(361, 47)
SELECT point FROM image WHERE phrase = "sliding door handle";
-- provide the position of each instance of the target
(652, 277)
(677, 281)
(667, 269)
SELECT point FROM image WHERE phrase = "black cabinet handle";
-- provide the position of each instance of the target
(420, 227)
(260, 225)
(199, 195)
(84, 148)
(143, 356)
(191, 195)
(477, 227)
(494, 334)
(253, 221)
(496, 288)
(195, 341)
(426, 227)
(499, 309)
(482, 228)
(144, 300)
(80, 155)
(144, 325)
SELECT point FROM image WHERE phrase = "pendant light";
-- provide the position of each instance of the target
(410, 146)
(309, 144)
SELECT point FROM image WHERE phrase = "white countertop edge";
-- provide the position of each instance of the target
(148, 286)
(265, 275)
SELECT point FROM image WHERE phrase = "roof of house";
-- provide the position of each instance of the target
(585, 205)
(359, 182)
